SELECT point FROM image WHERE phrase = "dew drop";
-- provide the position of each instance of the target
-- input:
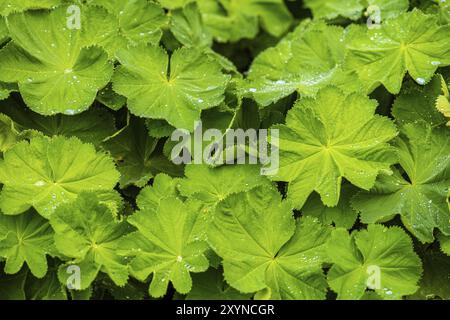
(420, 81)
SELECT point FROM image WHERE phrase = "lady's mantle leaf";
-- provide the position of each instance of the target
(55, 73)
(332, 137)
(443, 101)
(26, 238)
(188, 28)
(167, 246)
(132, 148)
(418, 103)
(445, 244)
(232, 20)
(91, 126)
(412, 42)
(305, 61)
(353, 9)
(87, 232)
(10, 6)
(212, 185)
(49, 171)
(262, 247)
(210, 285)
(343, 215)
(331, 9)
(436, 272)
(137, 21)
(379, 258)
(177, 93)
(150, 197)
(421, 197)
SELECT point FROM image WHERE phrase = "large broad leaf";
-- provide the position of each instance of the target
(232, 20)
(210, 285)
(443, 101)
(46, 172)
(188, 28)
(137, 22)
(445, 243)
(86, 232)
(436, 271)
(9, 133)
(91, 126)
(10, 6)
(212, 185)
(27, 238)
(56, 74)
(305, 61)
(343, 215)
(13, 286)
(47, 288)
(133, 148)
(167, 246)
(178, 93)
(329, 138)
(413, 42)
(418, 103)
(330, 9)
(263, 249)
(353, 9)
(420, 196)
(378, 258)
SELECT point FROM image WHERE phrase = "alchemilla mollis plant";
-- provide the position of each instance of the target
(224, 149)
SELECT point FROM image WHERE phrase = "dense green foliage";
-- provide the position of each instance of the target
(92, 90)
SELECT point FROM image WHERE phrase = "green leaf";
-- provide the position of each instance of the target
(10, 6)
(46, 172)
(13, 286)
(442, 101)
(6, 89)
(378, 258)
(353, 9)
(150, 197)
(138, 21)
(343, 215)
(445, 243)
(419, 104)
(55, 74)
(433, 284)
(133, 149)
(87, 233)
(232, 20)
(329, 138)
(28, 239)
(188, 28)
(420, 196)
(212, 185)
(109, 98)
(331, 9)
(174, 4)
(91, 126)
(210, 285)
(177, 93)
(303, 62)
(262, 247)
(159, 128)
(8, 133)
(413, 42)
(47, 288)
(170, 251)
